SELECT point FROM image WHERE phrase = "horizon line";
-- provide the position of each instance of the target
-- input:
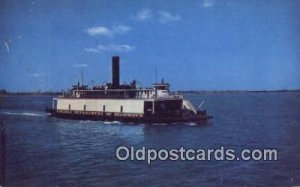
(4, 92)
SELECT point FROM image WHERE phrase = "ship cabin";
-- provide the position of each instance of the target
(131, 91)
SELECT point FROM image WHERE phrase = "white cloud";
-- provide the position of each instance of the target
(92, 50)
(6, 46)
(161, 16)
(80, 65)
(143, 15)
(111, 48)
(94, 31)
(104, 31)
(208, 3)
(165, 17)
(42, 74)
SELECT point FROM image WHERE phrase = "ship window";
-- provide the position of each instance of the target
(69, 107)
(103, 108)
(121, 108)
(84, 107)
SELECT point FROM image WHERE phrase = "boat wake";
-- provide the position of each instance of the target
(112, 122)
(36, 114)
(85, 121)
(191, 124)
(161, 124)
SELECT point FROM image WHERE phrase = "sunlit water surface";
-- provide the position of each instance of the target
(46, 151)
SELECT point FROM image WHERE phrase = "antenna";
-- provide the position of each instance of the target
(156, 75)
(82, 77)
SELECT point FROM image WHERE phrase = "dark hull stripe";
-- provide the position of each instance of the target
(126, 117)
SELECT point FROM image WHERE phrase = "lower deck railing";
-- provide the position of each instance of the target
(96, 113)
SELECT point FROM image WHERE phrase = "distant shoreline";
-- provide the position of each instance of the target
(236, 91)
(181, 91)
(31, 93)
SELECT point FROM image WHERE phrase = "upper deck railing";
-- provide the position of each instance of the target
(119, 94)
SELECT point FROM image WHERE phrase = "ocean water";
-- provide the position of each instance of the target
(46, 151)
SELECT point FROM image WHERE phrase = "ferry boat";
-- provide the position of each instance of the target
(125, 102)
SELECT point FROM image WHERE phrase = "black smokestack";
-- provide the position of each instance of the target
(115, 72)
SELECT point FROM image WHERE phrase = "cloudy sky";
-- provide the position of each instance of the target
(195, 45)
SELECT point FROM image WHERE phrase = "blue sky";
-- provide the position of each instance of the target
(194, 45)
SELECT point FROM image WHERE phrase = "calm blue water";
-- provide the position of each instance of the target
(45, 151)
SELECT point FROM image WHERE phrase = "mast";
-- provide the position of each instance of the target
(82, 77)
